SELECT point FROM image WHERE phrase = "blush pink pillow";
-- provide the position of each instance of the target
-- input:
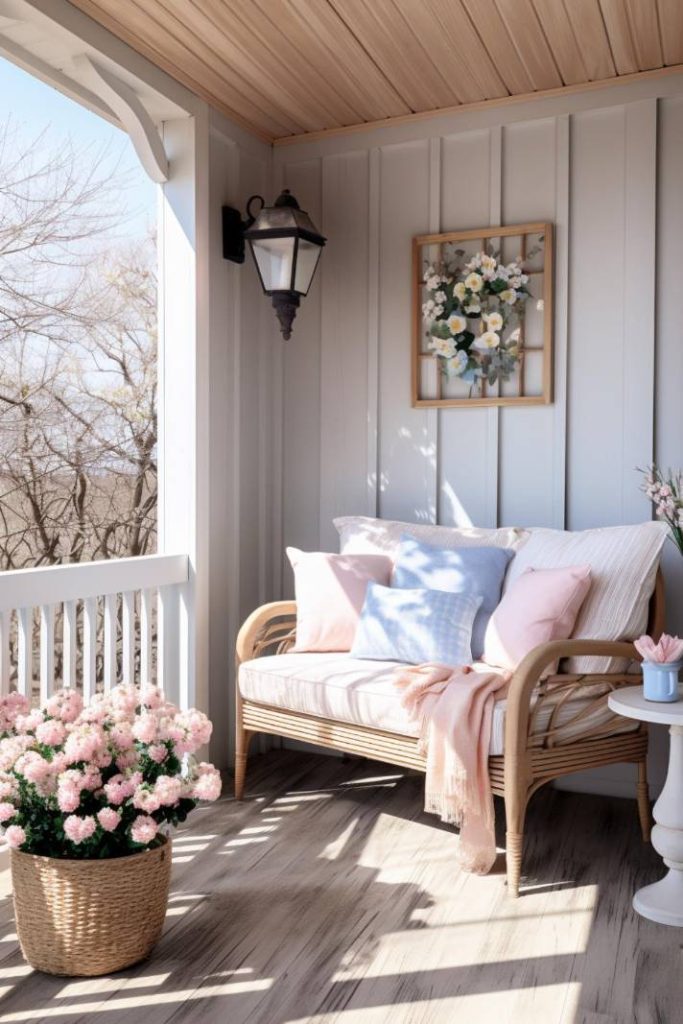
(330, 591)
(541, 605)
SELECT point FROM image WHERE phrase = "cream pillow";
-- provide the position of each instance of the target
(363, 535)
(623, 562)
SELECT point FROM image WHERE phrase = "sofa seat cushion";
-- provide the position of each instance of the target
(333, 686)
(349, 689)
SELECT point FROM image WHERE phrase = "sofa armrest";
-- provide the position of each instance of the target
(270, 625)
(529, 673)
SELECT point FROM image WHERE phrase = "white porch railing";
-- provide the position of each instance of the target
(92, 625)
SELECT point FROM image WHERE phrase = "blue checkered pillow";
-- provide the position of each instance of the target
(415, 626)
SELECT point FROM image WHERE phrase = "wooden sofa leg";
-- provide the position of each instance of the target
(515, 812)
(514, 842)
(643, 797)
(241, 751)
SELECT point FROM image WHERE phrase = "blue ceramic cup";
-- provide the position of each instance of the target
(660, 681)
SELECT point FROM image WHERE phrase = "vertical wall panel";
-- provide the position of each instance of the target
(640, 203)
(224, 507)
(406, 455)
(301, 368)
(238, 412)
(250, 403)
(372, 334)
(344, 342)
(611, 324)
(466, 436)
(669, 348)
(526, 432)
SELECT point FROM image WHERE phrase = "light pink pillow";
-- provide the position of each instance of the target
(330, 591)
(541, 605)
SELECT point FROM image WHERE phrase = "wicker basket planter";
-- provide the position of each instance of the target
(89, 917)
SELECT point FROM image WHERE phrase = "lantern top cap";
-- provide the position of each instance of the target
(287, 199)
(285, 219)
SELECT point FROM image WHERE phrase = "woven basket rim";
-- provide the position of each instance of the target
(165, 841)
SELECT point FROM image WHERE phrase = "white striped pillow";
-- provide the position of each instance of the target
(623, 561)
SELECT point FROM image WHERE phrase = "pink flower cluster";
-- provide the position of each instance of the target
(665, 491)
(99, 779)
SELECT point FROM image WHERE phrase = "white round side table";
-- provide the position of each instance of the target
(662, 901)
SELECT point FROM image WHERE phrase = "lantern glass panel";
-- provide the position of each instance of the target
(307, 261)
(275, 260)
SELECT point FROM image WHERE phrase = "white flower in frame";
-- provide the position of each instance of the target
(456, 323)
(440, 296)
(473, 307)
(458, 363)
(428, 310)
(433, 282)
(494, 321)
(460, 291)
(429, 272)
(444, 347)
(487, 341)
(474, 282)
(509, 296)
(438, 310)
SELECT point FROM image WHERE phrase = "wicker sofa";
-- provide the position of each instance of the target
(544, 737)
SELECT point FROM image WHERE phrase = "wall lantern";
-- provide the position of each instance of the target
(286, 247)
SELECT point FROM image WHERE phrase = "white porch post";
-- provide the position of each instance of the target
(184, 404)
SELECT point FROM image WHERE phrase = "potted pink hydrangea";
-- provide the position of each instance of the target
(87, 795)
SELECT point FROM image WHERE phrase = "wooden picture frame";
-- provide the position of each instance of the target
(531, 382)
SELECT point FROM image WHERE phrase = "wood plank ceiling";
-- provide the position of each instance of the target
(286, 68)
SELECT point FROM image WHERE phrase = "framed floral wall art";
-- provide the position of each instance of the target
(483, 317)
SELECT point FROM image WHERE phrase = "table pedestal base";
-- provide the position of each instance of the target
(662, 901)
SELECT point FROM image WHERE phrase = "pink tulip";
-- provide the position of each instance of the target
(669, 649)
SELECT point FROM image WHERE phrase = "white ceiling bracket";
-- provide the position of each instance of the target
(127, 106)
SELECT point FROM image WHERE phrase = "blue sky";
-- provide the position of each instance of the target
(34, 107)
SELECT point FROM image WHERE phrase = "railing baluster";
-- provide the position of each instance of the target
(69, 637)
(89, 645)
(47, 650)
(110, 631)
(5, 625)
(146, 598)
(167, 646)
(128, 629)
(25, 651)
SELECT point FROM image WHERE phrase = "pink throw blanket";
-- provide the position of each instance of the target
(454, 708)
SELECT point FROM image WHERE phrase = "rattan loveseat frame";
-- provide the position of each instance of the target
(530, 760)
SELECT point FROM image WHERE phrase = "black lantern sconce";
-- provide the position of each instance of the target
(286, 247)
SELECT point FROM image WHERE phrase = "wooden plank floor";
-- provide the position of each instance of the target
(329, 898)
